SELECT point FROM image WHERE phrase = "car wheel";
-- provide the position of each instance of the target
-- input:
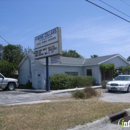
(128, 90)
(11, 86)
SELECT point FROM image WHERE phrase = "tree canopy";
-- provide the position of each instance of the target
(6, 68)
(128, 59)
(71, 53)
(1, 51)
(94, 56)
(13, 54)
(10, 57)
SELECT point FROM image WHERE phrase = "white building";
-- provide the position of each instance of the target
(35, 70)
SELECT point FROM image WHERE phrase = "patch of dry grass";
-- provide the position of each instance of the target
(56, 115)
(70, 96)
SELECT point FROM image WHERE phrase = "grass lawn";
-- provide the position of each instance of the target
(56, 115)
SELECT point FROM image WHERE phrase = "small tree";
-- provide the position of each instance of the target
(1, 51)
(94, 56)
(127, 69)
(71, 53)
(13, 54)
(6, 68)
(107, 68)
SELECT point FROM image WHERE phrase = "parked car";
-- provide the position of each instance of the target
(8, 83)
(120, 83)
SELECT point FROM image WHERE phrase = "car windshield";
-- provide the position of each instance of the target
(124, 78)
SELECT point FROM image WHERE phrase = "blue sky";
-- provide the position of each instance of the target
(85, 28)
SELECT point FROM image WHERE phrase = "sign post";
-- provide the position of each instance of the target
(47, 75)
(46, 45)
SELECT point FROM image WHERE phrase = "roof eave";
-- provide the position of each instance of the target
(107, 59)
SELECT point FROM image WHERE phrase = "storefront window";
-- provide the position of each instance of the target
(72, 73)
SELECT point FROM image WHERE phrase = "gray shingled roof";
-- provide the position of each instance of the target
(67, 61)
(96, 61)
(80, 61)
(72, 61)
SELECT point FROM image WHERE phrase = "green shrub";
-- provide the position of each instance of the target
(64, 81)
(60, 81)
(28, 85)
(79, 94)
(76, 81)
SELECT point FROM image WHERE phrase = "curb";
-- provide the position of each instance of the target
(118, 115)
(54, 91)
(103, 121)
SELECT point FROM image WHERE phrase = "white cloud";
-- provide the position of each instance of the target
(98, 32)
(93, 36)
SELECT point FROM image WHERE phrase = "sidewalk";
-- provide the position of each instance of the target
(54, 91)
(43, 96)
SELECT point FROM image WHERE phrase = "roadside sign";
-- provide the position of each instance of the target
(48, 43)
(55, 59)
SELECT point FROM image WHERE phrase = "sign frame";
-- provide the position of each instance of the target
(48, 44)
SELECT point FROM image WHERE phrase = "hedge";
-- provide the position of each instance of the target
(64, 81)
(60, 81)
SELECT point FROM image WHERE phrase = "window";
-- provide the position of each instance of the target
(89, 72)
(72, 73)
(1, 76)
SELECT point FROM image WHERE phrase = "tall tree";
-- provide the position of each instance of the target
(94, 56)
(6, 68)
(13, 54)
(1, 51)
(71, 53)
(10, 57)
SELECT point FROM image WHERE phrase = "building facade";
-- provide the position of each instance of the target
(35, 70)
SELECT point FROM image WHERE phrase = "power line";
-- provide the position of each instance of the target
(109, 11)
(125, 3)
(4, 40)
(114, 8)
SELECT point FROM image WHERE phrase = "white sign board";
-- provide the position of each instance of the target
(48, 43)
(47, 51)
(55, 59)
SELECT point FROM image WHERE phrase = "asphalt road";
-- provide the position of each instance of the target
(22, 95)
(25, 96)
(115, 96)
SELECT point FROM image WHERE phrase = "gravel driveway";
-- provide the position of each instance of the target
(24, 96)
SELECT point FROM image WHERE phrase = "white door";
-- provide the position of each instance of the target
(40, 81)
